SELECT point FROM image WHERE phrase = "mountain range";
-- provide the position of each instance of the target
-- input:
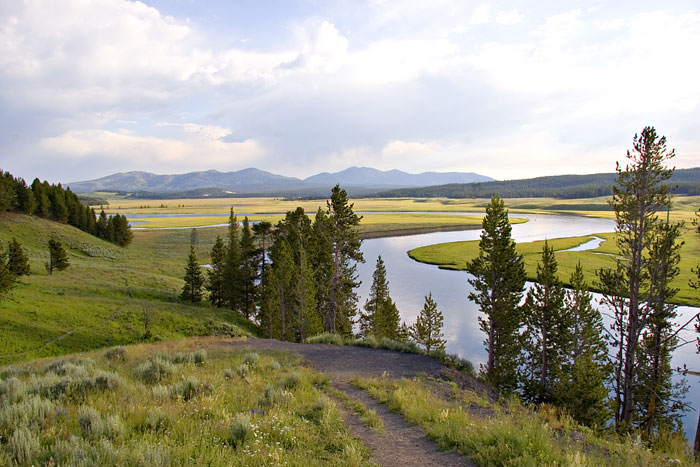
(252, 181)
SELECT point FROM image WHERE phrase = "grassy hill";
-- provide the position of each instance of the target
(106, 294)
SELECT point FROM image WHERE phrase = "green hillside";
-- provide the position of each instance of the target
(106, 294)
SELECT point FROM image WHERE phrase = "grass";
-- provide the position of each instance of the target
(195, 416)
(105, 295)
(367, 416)
(512, 434)
(455, 255)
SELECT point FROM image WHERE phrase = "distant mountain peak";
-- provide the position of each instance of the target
(252, 180)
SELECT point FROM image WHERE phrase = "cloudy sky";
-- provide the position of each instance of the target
(509, 89)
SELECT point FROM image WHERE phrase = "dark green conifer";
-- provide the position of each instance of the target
(427, 330)
(498, 278)
(232, 265)
(17, 262)
(248, 271)
(547, 335)
(381, 317)
(581, 389)
(194, 280)
(342, 300)
(215, 279)
(58, 259)
(7, 277)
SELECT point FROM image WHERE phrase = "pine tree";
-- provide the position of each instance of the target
(262, 234)
(232, 266)
(17, 262)
(215, 275)
(101, 226)
(427, 330)
(7, 277)
(248, 271)
(321, 254)
(581, 389)
(194, 280)
(547, 335)
(58, 259)
(498, 277)
(41, 199)
(276, 314)
(640, 192)
(658, 400)
(382, 317)
(342, 300)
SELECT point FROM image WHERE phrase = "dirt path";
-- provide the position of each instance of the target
(401, 445)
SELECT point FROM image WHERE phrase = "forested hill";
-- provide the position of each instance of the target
(684, 181)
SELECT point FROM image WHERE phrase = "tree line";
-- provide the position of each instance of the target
(299, 279)
(682, 182)
(50, 201)
(549, 345)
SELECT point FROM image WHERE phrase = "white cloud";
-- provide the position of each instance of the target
(325, 51)
(481, 15)
(510, 17)
(201, 147)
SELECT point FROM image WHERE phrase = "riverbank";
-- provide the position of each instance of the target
(390, 230)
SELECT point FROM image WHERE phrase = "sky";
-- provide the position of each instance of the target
(508, 89)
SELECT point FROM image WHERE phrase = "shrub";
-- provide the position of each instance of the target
(229, 373)
(31, 412)
(116, 353)
(24, 446)
(155, 370)
(239, 430)
(155, 420)
(270, 397)
(454, 361)
(252, 359)
(12, 389)
(227, 330)
(367, 341)
(406, 347)
(243, 370)
(94, 426)
(291, 381)
(188, 388)
(326, 338)
(315, 412)
(180, 358)
(160, 393)
(199, 356)
(273, 365)
(320, 380)
(107, 380)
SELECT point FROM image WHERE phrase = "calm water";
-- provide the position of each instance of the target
(410, 281)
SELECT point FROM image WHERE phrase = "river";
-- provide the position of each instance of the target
(410, 281)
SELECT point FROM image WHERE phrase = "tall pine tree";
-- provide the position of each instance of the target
(58, 259)
(194, 280)
(232, 266)
(498, 278)
(342, 300)
(582, 389)
(248, 271)
(381, 317)
(547, 335)
(639, 193)
(215, 275)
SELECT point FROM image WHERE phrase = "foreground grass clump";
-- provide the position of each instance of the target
(512, 434)
(196, 413)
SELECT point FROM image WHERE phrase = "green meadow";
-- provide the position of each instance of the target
(107, 296)
(455, 255)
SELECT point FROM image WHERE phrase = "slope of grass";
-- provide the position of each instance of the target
(106, 294)
(178, 403)
(494, 434)
(455, 255)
